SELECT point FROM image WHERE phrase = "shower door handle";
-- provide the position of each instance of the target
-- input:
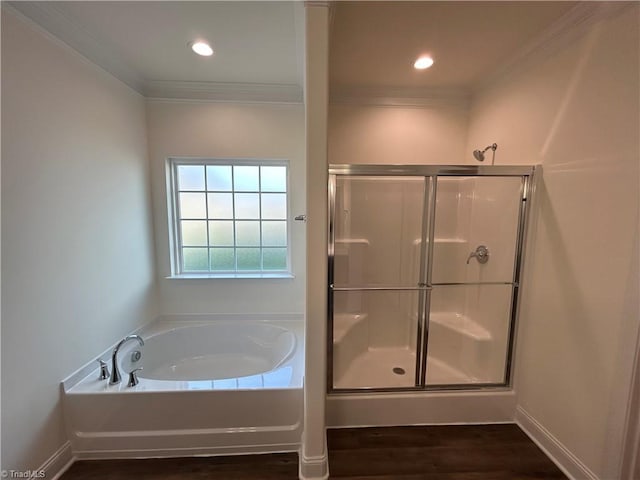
(481, 253)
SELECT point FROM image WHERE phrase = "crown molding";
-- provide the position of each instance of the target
(558, 35)
(48, 17)
(224, 92)
(400, 96)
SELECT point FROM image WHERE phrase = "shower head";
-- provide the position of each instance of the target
(479, 154)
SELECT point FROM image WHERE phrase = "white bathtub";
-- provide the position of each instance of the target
(219, 351)
(231, 385)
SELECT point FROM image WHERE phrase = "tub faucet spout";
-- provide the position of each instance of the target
(115, 371)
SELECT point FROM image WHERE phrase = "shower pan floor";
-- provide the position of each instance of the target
(384, 367)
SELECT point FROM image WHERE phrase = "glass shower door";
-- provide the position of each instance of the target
(424, 264)
(377, 264)
(476, 238)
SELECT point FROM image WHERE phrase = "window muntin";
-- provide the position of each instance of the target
(230, 217)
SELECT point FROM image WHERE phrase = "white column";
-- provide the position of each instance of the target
(313, 454)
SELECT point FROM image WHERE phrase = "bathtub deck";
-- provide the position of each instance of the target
(498, 452)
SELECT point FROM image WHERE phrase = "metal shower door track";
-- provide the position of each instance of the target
(431, 170)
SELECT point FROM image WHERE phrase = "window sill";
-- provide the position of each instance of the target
(214, 276)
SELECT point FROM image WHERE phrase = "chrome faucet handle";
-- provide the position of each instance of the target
(481, 254)
(133, 377)
(104, 370)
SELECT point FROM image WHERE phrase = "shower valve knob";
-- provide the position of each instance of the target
(481, 254)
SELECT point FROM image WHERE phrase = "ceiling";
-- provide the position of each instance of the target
(145, 43)
(259, 45)
(375, 43)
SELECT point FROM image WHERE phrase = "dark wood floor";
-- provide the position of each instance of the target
(479, 452)
(460, 452)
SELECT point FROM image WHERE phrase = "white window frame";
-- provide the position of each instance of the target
(175, 241)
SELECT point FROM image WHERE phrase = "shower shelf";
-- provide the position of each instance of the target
(460, 324)
(364, 241)
(417, 241)
(343, 322)
(352, 240)
(450, 240)
(342, 245)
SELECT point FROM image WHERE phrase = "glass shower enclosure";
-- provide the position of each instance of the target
(424, 271)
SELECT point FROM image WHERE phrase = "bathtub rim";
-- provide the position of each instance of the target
(293, 321)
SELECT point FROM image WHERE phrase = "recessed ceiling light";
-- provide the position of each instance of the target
(201, 48)
(423, 62)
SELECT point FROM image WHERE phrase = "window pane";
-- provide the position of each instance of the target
(192, 205)
(274, 259)
(274, 205)
(223, 259)
(194, 233)
(221, 234)
(248, 258)
(247, 205)
(195, 259)
(219, 177)
(220, 205)
(274, 234)
(247, 234)
(190, 177)
(273, 179)
(231, 217)
(246, 179)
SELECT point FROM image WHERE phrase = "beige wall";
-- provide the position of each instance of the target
(224, 130)
(576, 112)
(385, 134)
(77, 252)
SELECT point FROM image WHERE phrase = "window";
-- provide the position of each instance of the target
(229, 217)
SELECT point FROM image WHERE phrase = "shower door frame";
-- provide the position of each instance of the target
(430, 174)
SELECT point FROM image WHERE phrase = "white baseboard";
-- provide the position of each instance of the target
(566, 461)
(185, 452)
(58, 463)
(313, 468)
